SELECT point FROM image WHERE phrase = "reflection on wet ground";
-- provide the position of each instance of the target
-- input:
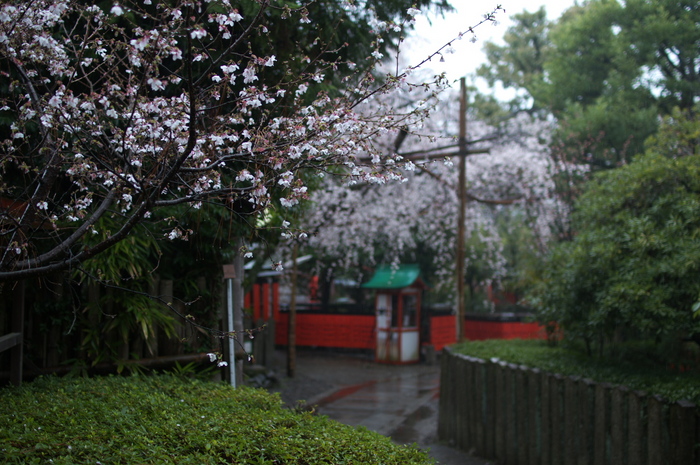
(399, 401)
(382, 405)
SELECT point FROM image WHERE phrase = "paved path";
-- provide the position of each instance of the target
(400, 401)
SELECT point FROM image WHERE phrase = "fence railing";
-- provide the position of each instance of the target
(518, 415)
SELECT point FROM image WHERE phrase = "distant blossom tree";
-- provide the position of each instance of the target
(374, 223)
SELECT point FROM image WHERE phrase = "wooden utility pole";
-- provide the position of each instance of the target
(462, 195)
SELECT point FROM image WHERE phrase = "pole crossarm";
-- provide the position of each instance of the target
(438, 155)
(468, 196)
(433, 154)
(451, 146)
(493, 201)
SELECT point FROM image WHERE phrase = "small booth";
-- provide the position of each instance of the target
(397, 307)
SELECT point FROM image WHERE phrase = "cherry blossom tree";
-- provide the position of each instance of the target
(388, 222)
(114, 113)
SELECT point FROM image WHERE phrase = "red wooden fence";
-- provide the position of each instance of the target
(328, 330)
(478, 330)
(354, 331)
(443, 331)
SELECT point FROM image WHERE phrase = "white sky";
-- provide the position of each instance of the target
(433, 31)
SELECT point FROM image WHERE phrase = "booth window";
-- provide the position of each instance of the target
(410, 309)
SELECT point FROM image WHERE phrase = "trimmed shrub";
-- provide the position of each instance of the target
(165, 419)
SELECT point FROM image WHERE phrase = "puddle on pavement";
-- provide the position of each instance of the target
(413, 428)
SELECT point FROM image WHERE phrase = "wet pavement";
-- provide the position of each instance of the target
(399, 401)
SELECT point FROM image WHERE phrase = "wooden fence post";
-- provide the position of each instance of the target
(521, 414)
(270, 335)
(636, 429)
(511, 417)
(546, 422)
(600, 428)
(446, 386)
(570, 421)
(479, 407)
(586, 421)
(534, 437)
(464, 404)
(555, 410)
(152, 339)
(490, 400)
(618, 400)
(17, 352)
(682, 432)
(655, 454)
(167, 346)
(259, 344)
(500, 409)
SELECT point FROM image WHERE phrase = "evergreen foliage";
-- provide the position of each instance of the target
(631, 271)
(167, 419)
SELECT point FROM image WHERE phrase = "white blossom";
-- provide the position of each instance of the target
(198, 33)
(413, 12)
(117, 10)
(249, 75)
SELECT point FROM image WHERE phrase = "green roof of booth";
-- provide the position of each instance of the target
(387, 277)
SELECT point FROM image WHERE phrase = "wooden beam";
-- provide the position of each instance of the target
(9, 341)
(428, 155)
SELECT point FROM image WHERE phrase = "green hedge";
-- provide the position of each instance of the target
(639, 367)
(165, 419)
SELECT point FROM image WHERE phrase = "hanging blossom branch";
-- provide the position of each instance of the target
(118, 113)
